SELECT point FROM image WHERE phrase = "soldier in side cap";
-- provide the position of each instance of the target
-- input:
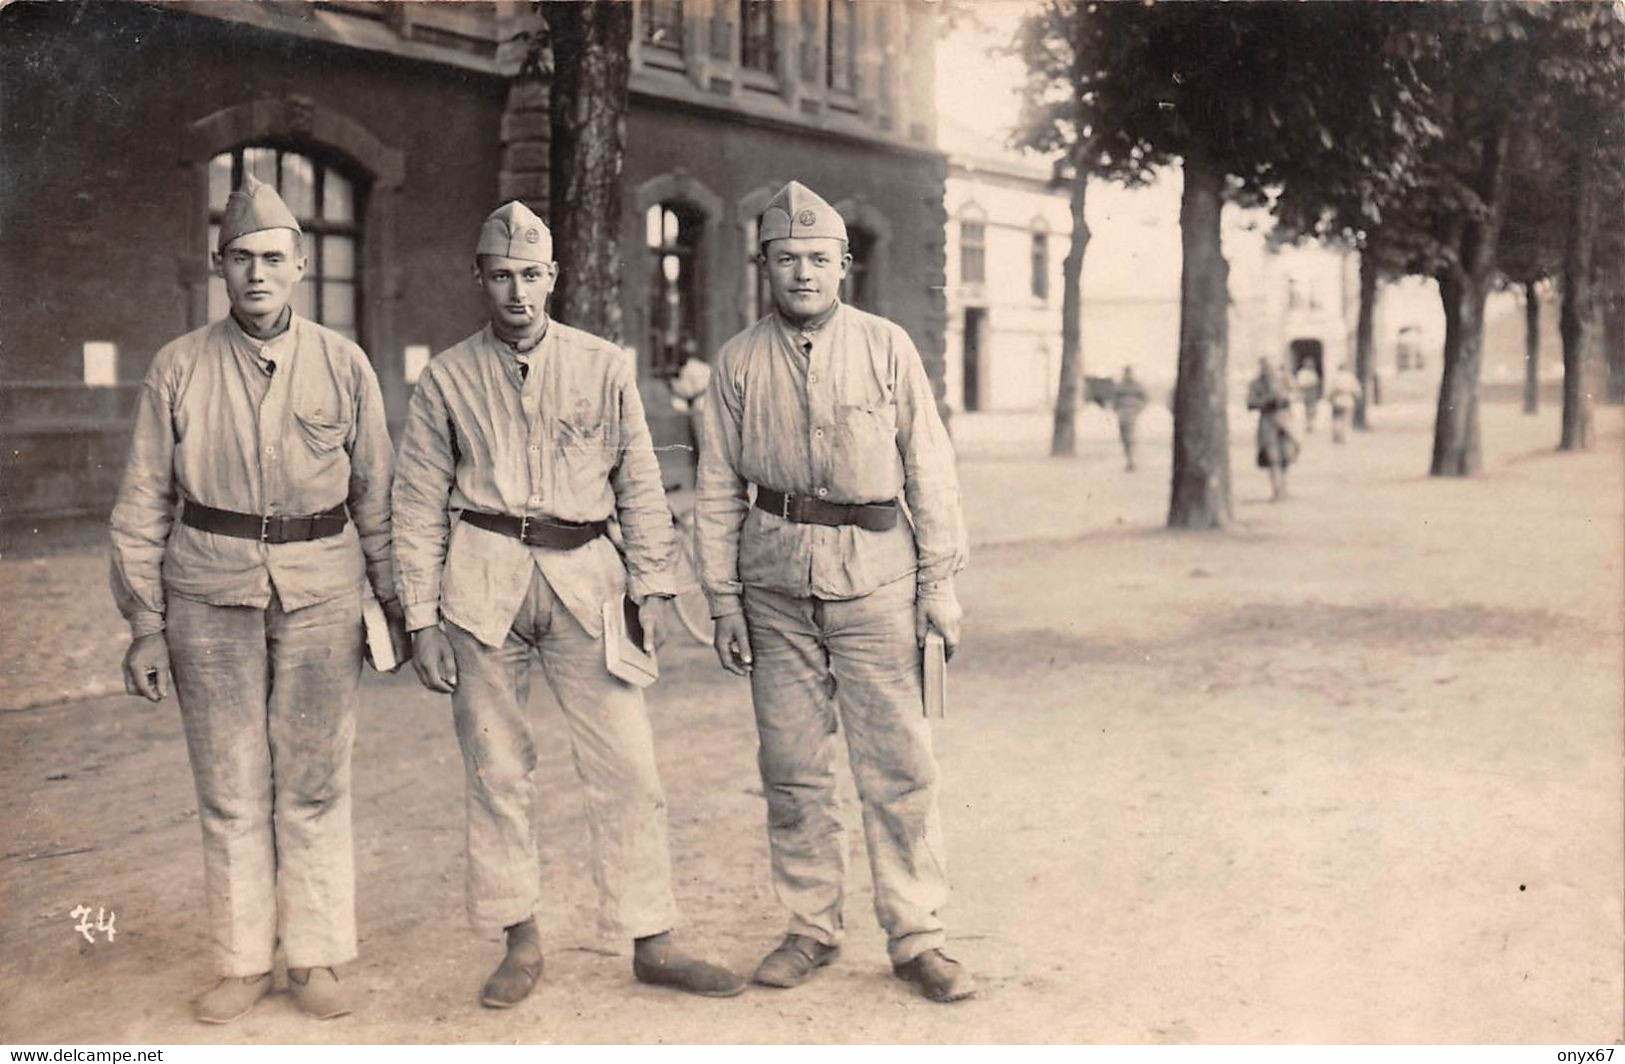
(268, 432)
(820, 587)
(533, 432)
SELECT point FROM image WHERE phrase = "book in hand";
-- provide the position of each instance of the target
(624, 655)
(934, 675)
(387, 646)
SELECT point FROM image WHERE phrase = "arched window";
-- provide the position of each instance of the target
(858, 288)
(868, 233)
(327, 203)
(758, 294)
(672, 232)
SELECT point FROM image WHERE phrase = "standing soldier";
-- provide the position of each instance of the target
(1270, 393)
(1344, 392)
(823, 592)
(1128, 399)
(535, 432)
(268, 430)
(1308, 382)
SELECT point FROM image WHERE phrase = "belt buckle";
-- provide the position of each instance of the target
(784, 506)
(524, 529)
(265, 528)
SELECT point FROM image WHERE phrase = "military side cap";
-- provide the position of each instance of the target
(252, 207)
(796, 210)
(513, 231)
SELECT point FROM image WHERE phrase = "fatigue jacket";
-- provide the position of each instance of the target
(567, 441)
(843, 412)
(213, 426)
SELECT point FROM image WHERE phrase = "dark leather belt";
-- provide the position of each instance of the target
(811, 510)
(266, 528)
(549, 532)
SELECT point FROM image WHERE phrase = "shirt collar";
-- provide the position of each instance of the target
(811, 325)
(284, 322)
(267, 351)
(525, 346)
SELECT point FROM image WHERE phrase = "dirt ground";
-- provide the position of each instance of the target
(1348, 773)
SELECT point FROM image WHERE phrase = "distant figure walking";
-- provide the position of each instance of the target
(692, 379)
(1271, 395)
(1308, 381)
(1127, 401)
(1344, 392)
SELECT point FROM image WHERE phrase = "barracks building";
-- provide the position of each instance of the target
(391, 130)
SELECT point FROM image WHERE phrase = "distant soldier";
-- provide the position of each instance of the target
(532, 434)
(1308, 382)
(1343, 393)
(823, 592)
(269, 432)
(690, 385)
(1271, 395)
(1127, 401)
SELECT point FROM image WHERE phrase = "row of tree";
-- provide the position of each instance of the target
(1478, 144)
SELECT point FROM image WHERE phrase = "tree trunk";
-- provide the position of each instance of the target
(1463, 288)
(1200, 496)
(592, 68)
(1613, 338)
(1064, 436)
(1578, 311)
(1363, 334)
(1455, 428)
(1531, 349)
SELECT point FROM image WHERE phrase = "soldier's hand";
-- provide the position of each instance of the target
(941, 613)
(400, 640)
(146, 667)
(649, 619)
(732, 643)
(433, 659)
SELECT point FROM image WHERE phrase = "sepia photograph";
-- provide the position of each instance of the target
(812, 522)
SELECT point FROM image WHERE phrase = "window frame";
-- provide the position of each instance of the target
(1039, 262)
(665, 359)
(858, 287)
(759, 53)
(967, 247)
(315, 228)
(668, 52)
(848, 91)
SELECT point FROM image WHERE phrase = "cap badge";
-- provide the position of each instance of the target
(533, 235)
(807, 218)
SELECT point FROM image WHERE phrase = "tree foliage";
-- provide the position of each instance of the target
(1247, 97)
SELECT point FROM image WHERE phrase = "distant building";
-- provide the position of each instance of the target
(392, 129)
(1008, 231)
(1298, 305)
(1007, 234)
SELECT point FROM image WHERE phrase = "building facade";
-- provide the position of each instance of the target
(391, 129)
(1007, 234)
(1008, 231)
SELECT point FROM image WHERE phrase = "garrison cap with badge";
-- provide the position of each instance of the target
(252, 207)
(795, 211)
(513, 231)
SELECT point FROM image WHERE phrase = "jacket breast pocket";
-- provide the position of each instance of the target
(866, 451)
(584, 455)
(322, 430)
